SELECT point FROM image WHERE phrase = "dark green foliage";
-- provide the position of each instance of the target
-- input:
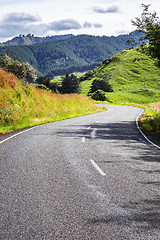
(54, 87)
(43, 80)
(100, 84)
(99, 95)
(87, 76)
(149, 25)
(77, 53)
(70, 84)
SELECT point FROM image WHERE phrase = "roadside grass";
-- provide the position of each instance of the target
(24, 105)
(150, 120)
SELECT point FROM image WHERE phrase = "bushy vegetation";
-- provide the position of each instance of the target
(23, 104)
(100, 84)
(23, 71)
(99, 95)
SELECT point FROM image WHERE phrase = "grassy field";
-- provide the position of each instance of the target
(23, 105)
(134, 78)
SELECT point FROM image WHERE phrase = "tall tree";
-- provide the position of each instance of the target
(70, 84)
(149, 25)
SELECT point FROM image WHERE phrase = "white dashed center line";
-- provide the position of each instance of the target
(97, 167)
(93, 133)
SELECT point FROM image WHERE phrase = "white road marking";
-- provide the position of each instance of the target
(93, 133)
(83, 139)
(97, 167)
(89, 127)
(17, 134)
(143, 133)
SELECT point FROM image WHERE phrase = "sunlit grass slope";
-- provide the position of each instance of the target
(24, 105)
(133, 75)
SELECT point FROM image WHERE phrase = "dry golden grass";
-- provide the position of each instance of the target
(23, 105)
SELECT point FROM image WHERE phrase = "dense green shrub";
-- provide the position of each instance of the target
(99, 95)
(100, 84)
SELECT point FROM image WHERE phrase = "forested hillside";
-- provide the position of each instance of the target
(77, 53)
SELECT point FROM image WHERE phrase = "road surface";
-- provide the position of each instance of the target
(92, 177)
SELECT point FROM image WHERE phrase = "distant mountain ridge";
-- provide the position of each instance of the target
(30, 39)
(66, 53)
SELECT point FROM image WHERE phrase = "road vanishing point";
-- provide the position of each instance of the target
(93, 177)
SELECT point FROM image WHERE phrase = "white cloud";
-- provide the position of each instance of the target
(97, 25)
(87, 25)
(16, 17)
(112, 9)
(65, 24)
(23, 23)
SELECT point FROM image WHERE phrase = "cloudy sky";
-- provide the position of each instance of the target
(56, 17)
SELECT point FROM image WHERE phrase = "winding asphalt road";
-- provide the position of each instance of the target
(93, 177)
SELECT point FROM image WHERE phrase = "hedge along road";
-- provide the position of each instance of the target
(91, 177)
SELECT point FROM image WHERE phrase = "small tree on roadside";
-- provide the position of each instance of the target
(100, 84)
(44, 80)
(70, 84)
(99, 95)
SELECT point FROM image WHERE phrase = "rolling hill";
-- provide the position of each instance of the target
(61, 56)
(133, 75)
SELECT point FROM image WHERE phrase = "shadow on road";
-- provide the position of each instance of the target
(145, 219)
(124, 135)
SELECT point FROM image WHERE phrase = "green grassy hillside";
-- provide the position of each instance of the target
(24, 105)
(133, 75)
